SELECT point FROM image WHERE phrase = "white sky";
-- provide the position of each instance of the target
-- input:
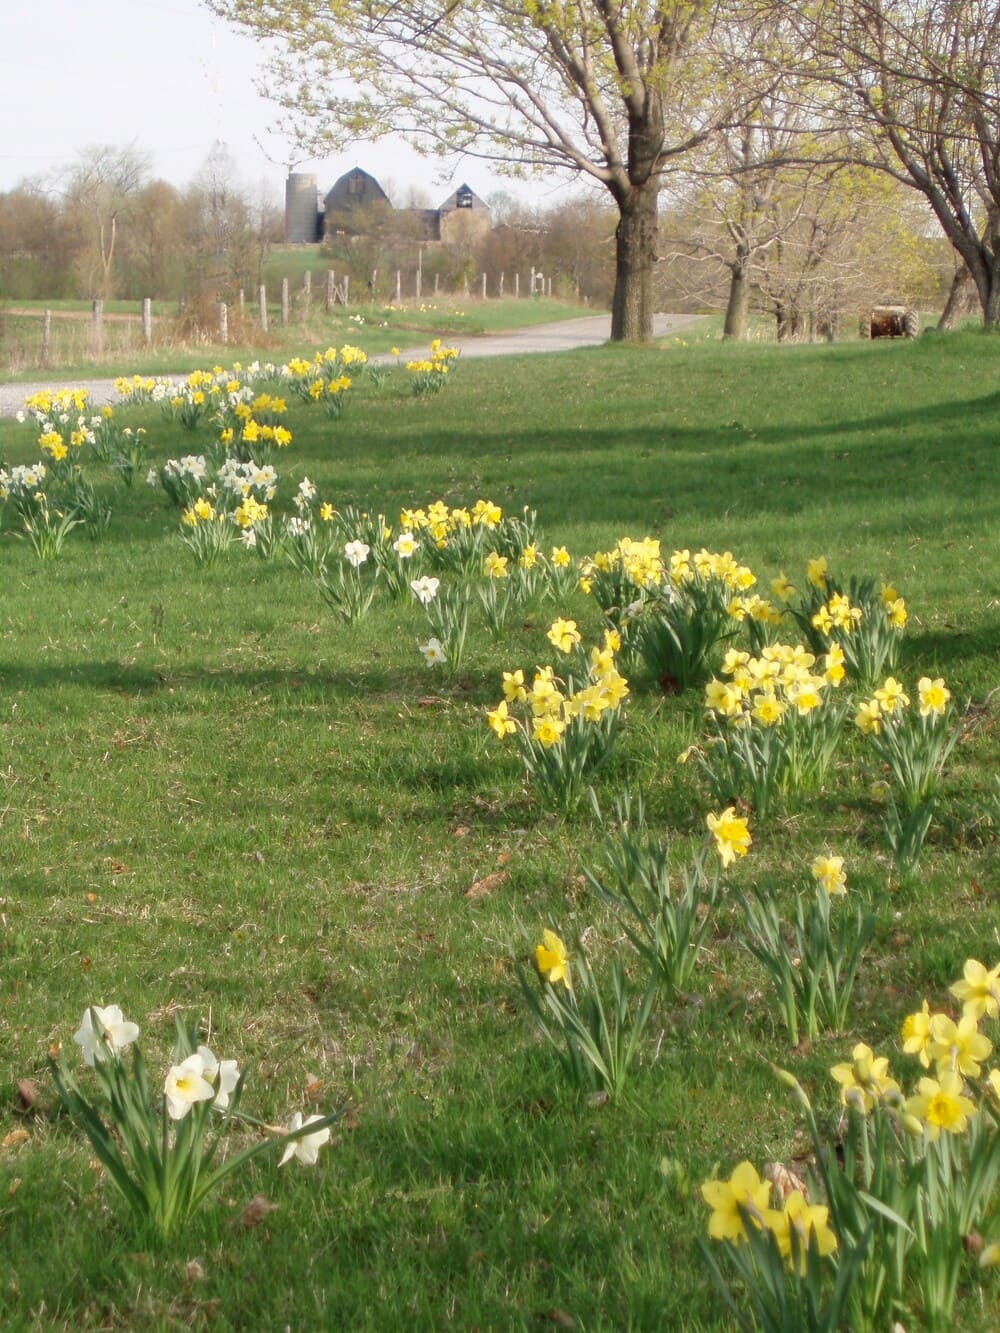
(170, 78)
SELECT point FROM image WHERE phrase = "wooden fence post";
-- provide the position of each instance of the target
(517, 284)
(484, 286)
(262, 303)
(399, 287)
(147, 320)
(46, 336)
(501, 286)
(284, 300)
(223, 323)
(97, 328)
(307, 290)
(331, 289)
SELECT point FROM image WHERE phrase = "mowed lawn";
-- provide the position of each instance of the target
(218, 799)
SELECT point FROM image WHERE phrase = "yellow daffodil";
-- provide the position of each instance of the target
(933, 696)
(958, 1046)
(829, 871)
(732, 836)
(939, 1104)
(500, 722)
(979, 989)
(743, 1195)
(808, 1222)
(891, 695)
(816, 571)
(917, 1035)
(552, 960)
(865, 1080)
(563, 634)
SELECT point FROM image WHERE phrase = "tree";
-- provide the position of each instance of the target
(923, 76)
(615, 90)
(101, 192)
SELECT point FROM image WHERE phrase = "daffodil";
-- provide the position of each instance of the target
(356, 553)
(917, 1034)
(305, 1149)
(547, 730)
(500, 723)
(868, 718)
(829, 871)
(959, 1046)
(104, 1032)
(939, 1104)
(563, 634)
(732, 836)
(433, 653)
(425, 589)
(185, 1086)
(933, 696)
(222, 1072)
(743, 1195)
(552, 960)
(891, 695)
(816, 571)
(513, 686)
(979, 989)
(808, 1222)
(865, 1080)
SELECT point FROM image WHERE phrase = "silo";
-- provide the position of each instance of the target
(301, 209)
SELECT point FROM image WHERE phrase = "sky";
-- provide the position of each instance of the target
(171, 79)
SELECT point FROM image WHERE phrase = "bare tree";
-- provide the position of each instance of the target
(100, 191)
(923, 78)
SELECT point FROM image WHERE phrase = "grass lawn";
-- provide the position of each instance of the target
(220, 800)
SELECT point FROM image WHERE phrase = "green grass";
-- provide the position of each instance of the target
(213, 796)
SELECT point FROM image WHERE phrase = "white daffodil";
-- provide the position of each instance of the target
(405, 545)
(104, 1032)
(306, 1149)
(425, 589)
(433, 653)
(224, 1072)
(185, 1085)
(356, 553)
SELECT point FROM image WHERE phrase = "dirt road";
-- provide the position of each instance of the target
(563, 336)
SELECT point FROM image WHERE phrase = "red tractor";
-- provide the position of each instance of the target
(890, 321)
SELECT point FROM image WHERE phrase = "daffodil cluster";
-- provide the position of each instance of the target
(905, 1195)
(744, 1203)
(775, 722)
(430, 372)
(910, 741)
(864, 619)
(595, 1031)
(160, 1148)
(565, 726)
(674, 611)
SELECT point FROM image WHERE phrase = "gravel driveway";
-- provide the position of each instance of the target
(564, 336)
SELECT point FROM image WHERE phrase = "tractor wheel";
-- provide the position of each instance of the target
(911, 324)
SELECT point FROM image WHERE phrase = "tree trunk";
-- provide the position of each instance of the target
(739, 300)
(958, 299)
(991, 305)
(635, 254)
